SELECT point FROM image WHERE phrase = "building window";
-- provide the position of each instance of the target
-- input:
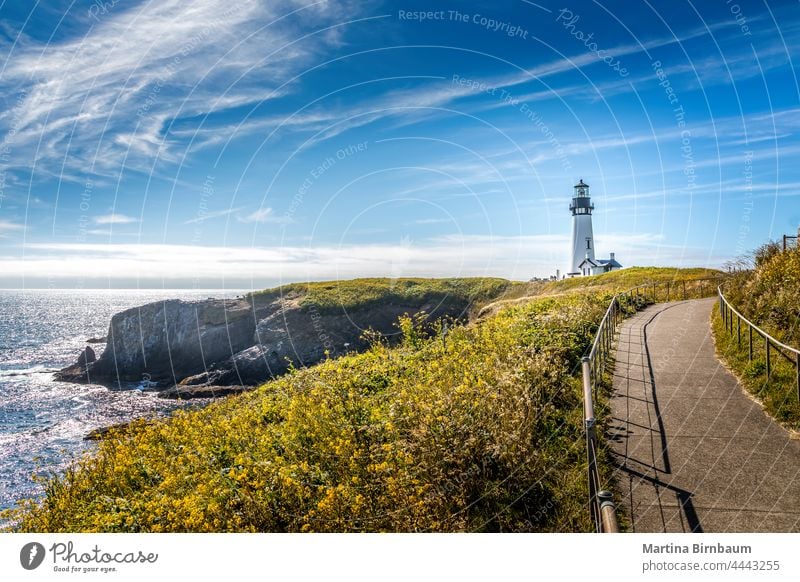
(588, 243)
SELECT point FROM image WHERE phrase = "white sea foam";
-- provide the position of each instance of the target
(43, 422)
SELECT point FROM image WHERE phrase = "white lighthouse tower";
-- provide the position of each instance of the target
(582, 237)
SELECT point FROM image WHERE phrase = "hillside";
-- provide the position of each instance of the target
(358, 294)
(467, 428)
(769, 296)
(214, 347)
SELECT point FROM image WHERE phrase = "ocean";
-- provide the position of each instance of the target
(43, 422)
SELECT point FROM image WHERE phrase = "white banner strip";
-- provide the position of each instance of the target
(416, 557)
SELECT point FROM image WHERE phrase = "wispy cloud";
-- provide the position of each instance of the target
(263, 215)
(112, 94)
(115, 219)
(432, 220)
(7, 227)
(203, 216)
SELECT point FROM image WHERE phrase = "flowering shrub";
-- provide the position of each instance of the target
(471, 428)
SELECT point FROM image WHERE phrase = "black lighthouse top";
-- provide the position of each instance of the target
(581, 203)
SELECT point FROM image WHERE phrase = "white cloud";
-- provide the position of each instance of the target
(514, 257)
(264, 215)
(203, 216)
(9, 227)
(432, 220)
(112, 94)
(114, 219)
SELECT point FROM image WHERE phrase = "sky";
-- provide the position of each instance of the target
(240, 145)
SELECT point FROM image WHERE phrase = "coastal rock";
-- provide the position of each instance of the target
(97, 340)
(80, 371)
(74, 373)
(253, 365)
(166, 341)
(217, 347)
(87, 357)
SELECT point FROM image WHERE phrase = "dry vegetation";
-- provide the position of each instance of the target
(460, 428)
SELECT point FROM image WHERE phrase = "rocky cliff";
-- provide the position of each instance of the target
(217, 346)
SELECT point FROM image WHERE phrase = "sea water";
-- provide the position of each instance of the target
(43, 422)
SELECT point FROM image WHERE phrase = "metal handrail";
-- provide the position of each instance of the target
(601, 501)
(727, 311)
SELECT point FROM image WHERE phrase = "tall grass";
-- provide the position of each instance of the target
(769, 296)
(355, 294)
(459, 428)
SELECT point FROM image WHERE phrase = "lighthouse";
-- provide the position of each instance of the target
(582, 261)
(582, 237)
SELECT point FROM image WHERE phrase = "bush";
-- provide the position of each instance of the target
(478, 430)
(459, 428)
(769, 296)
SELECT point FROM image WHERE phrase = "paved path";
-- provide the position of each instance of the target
(694, 453)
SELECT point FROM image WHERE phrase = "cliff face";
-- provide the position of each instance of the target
(172, 339)
(197, 348)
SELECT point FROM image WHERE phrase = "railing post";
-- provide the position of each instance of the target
(750, 342)
(589, 429)
(797, 363)
(608, 512)
(667, 291)
(769, 368)
(738, 332)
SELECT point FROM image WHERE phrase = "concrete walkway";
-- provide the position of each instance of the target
(694, 453)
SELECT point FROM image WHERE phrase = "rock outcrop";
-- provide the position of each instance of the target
(87, 357)
(216, 347)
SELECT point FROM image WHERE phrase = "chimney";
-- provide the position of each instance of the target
(612, 256)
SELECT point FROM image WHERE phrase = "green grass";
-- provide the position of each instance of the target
(355, 294)
(479, 430)
(626, 278)
(778, 393)
(769, 296)
(684, 283)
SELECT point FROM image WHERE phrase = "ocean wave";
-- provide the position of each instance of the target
(27, 371)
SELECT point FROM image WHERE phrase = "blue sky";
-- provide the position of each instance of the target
(217, 144)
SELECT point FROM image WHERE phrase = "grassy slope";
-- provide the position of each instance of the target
(769, 296)
(622, 279)
(335, 296)
(479, 431)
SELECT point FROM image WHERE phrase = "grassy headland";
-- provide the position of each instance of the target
(478, 429)
(769, 296)
(356, 294)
